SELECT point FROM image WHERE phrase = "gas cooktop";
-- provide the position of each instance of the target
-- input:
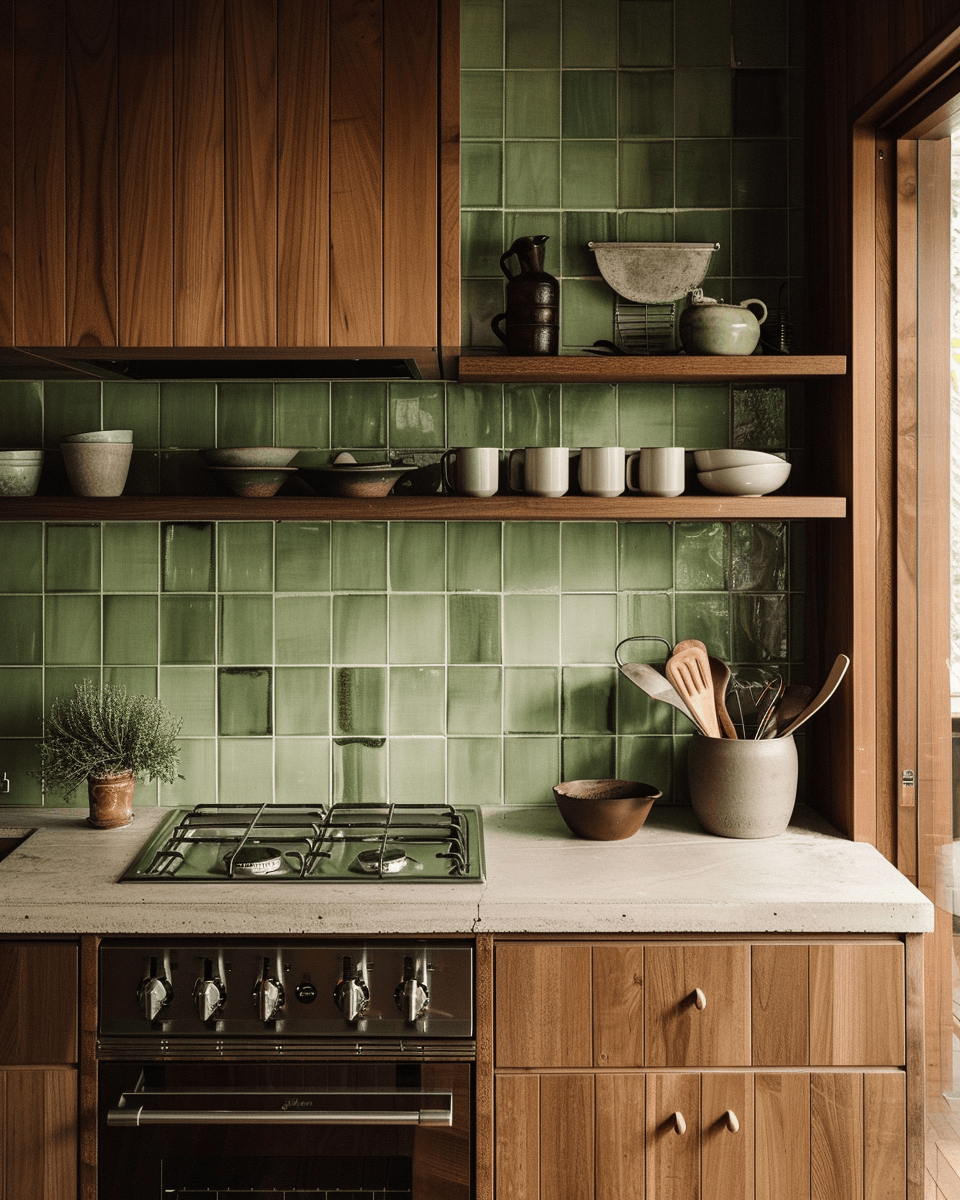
(299, 843)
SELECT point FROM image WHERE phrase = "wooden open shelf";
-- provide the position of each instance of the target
(667, 368)
(422, 508)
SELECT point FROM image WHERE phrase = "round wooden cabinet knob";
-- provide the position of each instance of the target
(731, 1119)
(699, 999)
(679, 1124)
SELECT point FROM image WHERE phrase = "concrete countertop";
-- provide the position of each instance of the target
(669, 878)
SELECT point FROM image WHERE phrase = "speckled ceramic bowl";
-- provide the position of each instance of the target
(355, 479)
(604, 810)
(249, 456)
(100, 435)
(254, 482)
(20, 472)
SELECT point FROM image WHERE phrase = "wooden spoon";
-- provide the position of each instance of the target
(837, 672)
(720, 674)
(688, 669)
(649, 680)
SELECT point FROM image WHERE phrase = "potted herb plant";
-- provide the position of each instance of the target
(110, 739)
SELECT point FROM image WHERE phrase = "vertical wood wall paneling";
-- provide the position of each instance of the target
(7, 174)
(198, 173)
(410, 172)
(356, 173)
(146, 173)
(303, 173)
(40, 141)
(92, 167)
(449, 213)
(250, 177)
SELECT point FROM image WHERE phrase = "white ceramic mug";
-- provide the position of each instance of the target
(475, 470)
(602, 471)
(659, 473)
(546, 470)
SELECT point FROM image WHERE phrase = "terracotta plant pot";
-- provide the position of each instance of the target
(111, 800)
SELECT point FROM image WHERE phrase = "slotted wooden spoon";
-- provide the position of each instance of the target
(688, 669)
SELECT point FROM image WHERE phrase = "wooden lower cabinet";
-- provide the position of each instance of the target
(38, 1125)
(718, 1135)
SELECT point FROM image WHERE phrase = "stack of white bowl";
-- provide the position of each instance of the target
(97, 462)
(741, 472)
(20, 472)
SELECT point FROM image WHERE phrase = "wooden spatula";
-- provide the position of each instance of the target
(649, 680)
(688, 669)
(720, 676)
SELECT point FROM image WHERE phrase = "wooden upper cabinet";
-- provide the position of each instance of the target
(224, 173)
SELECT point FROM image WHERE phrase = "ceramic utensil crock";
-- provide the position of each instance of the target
(744, 788)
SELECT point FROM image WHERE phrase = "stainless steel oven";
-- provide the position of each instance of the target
(295, 1070)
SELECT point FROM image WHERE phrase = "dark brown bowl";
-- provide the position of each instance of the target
(604, 810)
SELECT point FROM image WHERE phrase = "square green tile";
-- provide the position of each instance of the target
(302, 768)
(187, 557)
(417, 556)
(646, 33)
(416, 700)
(21, 755)
(473, 556)
(523, 223)
(359, 770)
(302, 701)
(646, 226)
(130, 629)
(358, 415)
(531, 556)
(589, 104)
(136, 406)
(144, 473)
(246, 630)
(703, 173)
(481, 34)
(761, 628)
(70, 407)
(21, 557)
(588, 758)
(531, 630)
(646, 104)
(417, 415)
(706, 616)
(245, 770)
(73, 558)
(481, 104)
(645, 615)
(589, 176)
(481, 174)
(474, 623)
(531, 700)
(417, 770)
(650, 760)
(475, 770)
(71, 630)
(131, 556)
(360, 702)
(646, 556)
(590, 33)
(358, 556)
(531, 766)
(760, 241)
(587, 628)
(758, 556)
(245, 556)
(532, 414)
(188, 415)
(303, 556)
(579, 229)
(589, 414)
(360, 629)
(703, 102)
(646, 174)
(532, 33)
(190, 693)
(139, 681)
(763, 106)
(417, 628)
(21, 414)
(244, 701)
(475, 414)
(587, 313)
(198, 766)
(303, 629)
(480, 301)
(474, 700)
(188, 629)
(531, 174)
(702, 32)
(645, 414)
(60, 683)
(760, 173)
(707, 226)
(636, 711)
(759, 418)
(245, 414)
(702, 548)
(761, 33)
(303, 414)
(531, 101)
(482, 242)
(21, 702)
(21, 618)
(589, 556)
(703, 416)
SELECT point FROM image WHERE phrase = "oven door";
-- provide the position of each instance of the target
(198, 1130)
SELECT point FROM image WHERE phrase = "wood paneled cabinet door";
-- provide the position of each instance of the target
(259, 173)
(38, 1074)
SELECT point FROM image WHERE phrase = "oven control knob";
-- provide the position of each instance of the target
(351, 994)
(209, 993)
(412, 994)
(154, 993)
(268, 995)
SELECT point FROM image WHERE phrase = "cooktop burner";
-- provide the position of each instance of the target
(299, 843)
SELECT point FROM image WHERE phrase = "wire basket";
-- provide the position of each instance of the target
(645, 328)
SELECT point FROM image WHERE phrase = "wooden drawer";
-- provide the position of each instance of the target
(38, 1003)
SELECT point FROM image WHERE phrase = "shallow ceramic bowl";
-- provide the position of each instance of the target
(101, 435)
(249, 456)
(20, 472)
(720, 460)
(255, 482)
(756, 480)
(356, 479)
(653, 272)
(604, 810)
